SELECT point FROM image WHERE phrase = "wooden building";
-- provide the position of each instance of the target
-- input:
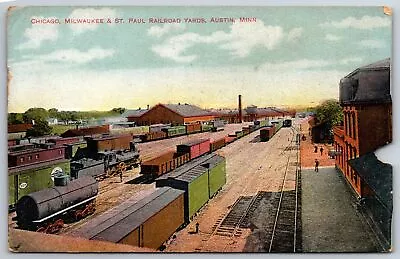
(175, 114)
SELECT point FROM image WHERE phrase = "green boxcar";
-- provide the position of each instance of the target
(176, 131)
(206, 127)
(216, 174)
(33, 178)
(200, 179)
(264, 123)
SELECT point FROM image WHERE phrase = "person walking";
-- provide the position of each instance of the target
(120, 176)
(197, 227)
(316, 165)
(315, 149)
(321, 150)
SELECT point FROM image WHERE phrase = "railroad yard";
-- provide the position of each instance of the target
(258, 209)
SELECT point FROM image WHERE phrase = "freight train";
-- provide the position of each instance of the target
(152, 220)
(106, 156)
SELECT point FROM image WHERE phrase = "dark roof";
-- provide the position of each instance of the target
(192, 174)
(118, 222)
(187, 166)
(15, 128)
(86, 131)
(187, 110)
(377, 175)
(134, 113)
(367, 84)
(381, 64)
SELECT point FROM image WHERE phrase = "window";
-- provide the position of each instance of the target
(60, 151)
(21, 159)
(37, 156)
(29, 158)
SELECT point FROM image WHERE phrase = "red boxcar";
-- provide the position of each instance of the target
(195, 148)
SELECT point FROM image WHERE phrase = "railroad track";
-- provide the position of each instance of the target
(283, 231)
(285, 234)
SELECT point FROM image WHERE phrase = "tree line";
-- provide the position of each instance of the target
(40, 116)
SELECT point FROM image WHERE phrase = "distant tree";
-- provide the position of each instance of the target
(330, 112)
(40, 128)
(118, 110)
(53, 112)
(36, 114)
(15, 118)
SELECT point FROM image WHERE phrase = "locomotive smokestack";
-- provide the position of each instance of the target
(240, 108)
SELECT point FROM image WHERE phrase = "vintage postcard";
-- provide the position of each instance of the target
(199, 129)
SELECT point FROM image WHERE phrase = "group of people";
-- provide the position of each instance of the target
(316, 160)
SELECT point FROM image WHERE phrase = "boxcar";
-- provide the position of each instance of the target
(175, 131)
(217, 144)
(107, 143)
(216, 174)
(195, 184)
(163, 163)
(23, 180)
(148, 222)
(206, 127)
(195, 148)
(266, 134)
(193, 128)
(155, 135)
(200, 179)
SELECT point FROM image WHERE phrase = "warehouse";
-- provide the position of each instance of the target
(176, 114)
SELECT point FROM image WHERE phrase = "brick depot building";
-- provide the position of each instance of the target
(252, 113)
(367, 110)
(176, 114)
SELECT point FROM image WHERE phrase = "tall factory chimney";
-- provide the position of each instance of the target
(240, 108)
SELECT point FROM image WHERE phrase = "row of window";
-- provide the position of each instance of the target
(345, 155)
(36, 156)
(350, 124)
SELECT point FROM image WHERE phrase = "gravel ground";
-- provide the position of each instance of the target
(252, 166)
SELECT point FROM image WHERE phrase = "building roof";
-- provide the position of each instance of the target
(15, 128)
(367, 84)
(187, 110)
(86, 131)
(377, 175)
(134, 113)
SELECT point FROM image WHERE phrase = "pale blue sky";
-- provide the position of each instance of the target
(290, 56)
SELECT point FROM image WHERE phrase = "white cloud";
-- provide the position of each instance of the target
(38, 33)
(91, 13)
(296, 65)
(332, 37)
(351, 60)
(373, 44)
(74, 55)
(295, 34)
(365, 23)
(240, 41)
(159, 31)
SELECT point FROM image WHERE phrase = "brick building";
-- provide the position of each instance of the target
(176, 114)
(252, 113)
(367, 110)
